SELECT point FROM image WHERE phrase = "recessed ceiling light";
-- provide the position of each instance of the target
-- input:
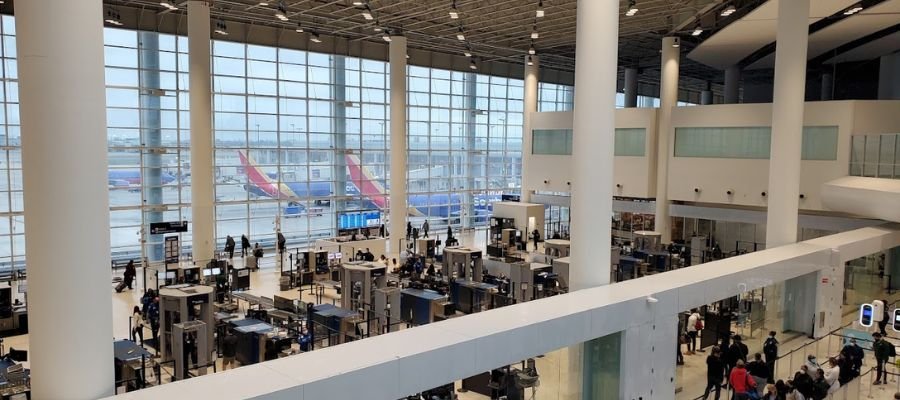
(358, 3)
(530, 61)
(697, 31)
(460, 35)
(299, 28)
(728, 11)
(467, 53)
(539, 13)
(281, 12)
(531, 50)
(169, 5)
(454, 13)
(367, 14)
(264, 3)
(386, 37)
(221, 28)
(314, 37)
(472, 65)
(632, 9)
(854, 9)
(535, 34)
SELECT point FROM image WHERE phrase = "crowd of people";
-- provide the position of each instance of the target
(751, 379)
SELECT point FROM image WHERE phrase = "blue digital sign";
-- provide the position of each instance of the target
(359, 219)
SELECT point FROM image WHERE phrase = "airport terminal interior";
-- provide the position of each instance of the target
(450, 199)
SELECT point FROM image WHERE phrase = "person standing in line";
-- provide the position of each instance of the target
(425, 228)
(229, 246)
(229, 350)
(715, 371)
(737, 351)
(694, 324)
(770, 349)
(245, 245)
(758, 371)
(137, 325)
(740, 381)
(883, 351)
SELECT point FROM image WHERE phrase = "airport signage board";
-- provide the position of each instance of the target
(158, 228)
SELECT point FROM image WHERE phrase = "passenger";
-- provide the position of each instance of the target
(153, 316)
(229, 350)
(820, 386)
(803, 381)
(537, 238)
(770, 393)
(245, 245)
(884, 317)
(408, 230)
(130, 273)
(229, 246)
(430, 271)
(694, 324)
(715, 371)
(257, 252)
(381, 230)
(137, 325)
(394, 267)
(737, 351)
(282, 242)
(758, 371)
(793, 393)
(856, 355)
(740, 381)
(425, 230)
(883, 351)
(449, 233)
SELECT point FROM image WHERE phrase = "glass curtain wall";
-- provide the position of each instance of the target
(149, 139)
(301, 139)
(12, 226)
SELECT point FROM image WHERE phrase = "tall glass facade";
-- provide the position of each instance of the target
(300, 142)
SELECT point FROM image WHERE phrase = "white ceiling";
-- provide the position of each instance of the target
(741, 38)
(868, 21)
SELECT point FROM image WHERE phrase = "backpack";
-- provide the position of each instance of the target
(698, 326)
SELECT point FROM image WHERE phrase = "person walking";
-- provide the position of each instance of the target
(770, 349)
(537, 238)
(408, 230)
(425, 228)
(883, 351)
(229, 246)
(245, 245)
(715, 372)
(740, 381)
(137, 325)
(381, 230)
(694, 324)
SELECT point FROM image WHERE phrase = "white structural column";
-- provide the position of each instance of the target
(202, 177)
(398, 209)
(593, 136)
(784, 163)
(630, 87)
(530, 100)
(668, 99)
(732, 84)
(787, 122)
(62, 107)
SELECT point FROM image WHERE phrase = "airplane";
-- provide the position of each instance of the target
(118, 178)
(362, 181)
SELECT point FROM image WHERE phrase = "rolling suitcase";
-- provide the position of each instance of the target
(120, 287)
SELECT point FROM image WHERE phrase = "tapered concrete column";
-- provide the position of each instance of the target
(202, 176)
(62, 108)
(732, 84)
(530, 106)
(593, 142)
(397, 57)
(631, 87)
(668, 99)
(827, 86)
(784, 161)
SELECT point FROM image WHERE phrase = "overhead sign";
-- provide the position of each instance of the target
(158, 228)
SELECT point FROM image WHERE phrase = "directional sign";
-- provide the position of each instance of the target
(157, 228)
